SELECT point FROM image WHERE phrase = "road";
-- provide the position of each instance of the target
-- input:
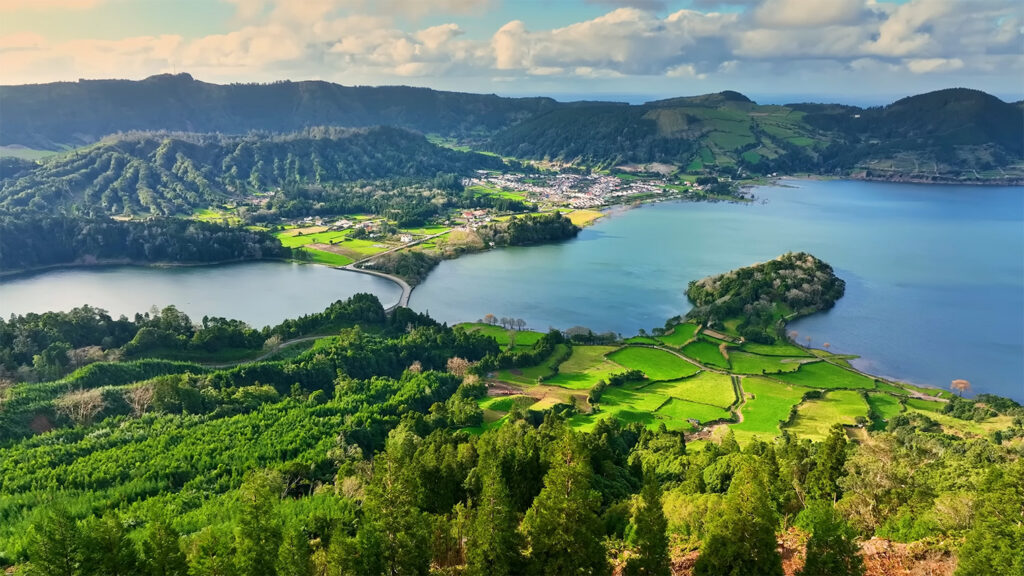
(403, 300)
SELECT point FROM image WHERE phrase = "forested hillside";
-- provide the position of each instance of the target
(165, 174)
(50, 116)
(366, 454)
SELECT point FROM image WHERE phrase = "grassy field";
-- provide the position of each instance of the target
(676, 410)
(530, 376)
(585, 367)
(680, 335)
(523, 339)
(925, 405)
(825, 375)
(650, 409)
(886, 405)
(584, 217)
(815, 417)
(767, 404)
(936, 392)
(642, 340)
(960, 427)
(706, 388)
(746, 363)
(656, 364)
(778, 349)
(328, 258)
(706, 351)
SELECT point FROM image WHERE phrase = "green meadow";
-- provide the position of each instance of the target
(523, 338)
(656, 364)
(706, 351)
(746, 363)
(815, 417)
(585, 367)
(767, 405)
(680, 335)
(705, 388)
(825, 375)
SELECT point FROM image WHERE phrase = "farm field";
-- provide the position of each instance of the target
(814, 417)
(769, 405)
(778, 349)
(584, 217)
(523, 338)
(746, 363)
(706, 351)
(531, 375)
(706, 388)
(680, 335)
(656, 364)
(886, 405)
(825, 375)
(585, 367)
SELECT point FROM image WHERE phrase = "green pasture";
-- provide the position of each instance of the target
(886, 405)
(328, 258)
(523, 339)
(815, 417)
(681, 334)
(642, 340)
(706, 388)
(585, 367)
(747, 363)
(654, 363)
(766, 406)
(825, 375)
(530, 375)
(706, 351)
(777, 349)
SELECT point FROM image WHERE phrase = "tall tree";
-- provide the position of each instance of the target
(106, 549)
(258, 529)
(832, 548)
(161, 553)
(993, 544)
(295, 557)
(562, 526)
(649, 532)
(829, 462)
(493, 544)
(211, 553)
(742, 540)
(54, 546)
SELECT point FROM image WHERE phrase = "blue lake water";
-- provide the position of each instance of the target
(260, 293)
(935, 274)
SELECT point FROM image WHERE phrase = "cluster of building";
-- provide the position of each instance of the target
(576, 190)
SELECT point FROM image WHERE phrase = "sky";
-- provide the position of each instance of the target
(853, 51)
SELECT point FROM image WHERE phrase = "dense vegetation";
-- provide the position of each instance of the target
(28, 242)
(166, 174)
(415, 265)
(353, 458)
(764, 296)
(48, 116)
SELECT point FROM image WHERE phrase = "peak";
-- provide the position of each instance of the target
(181, 77)
(715, 99)
(949, 95)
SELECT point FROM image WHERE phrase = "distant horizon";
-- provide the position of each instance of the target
(632, 98)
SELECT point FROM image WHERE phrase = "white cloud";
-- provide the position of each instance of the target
(930, 65)
(809, 13)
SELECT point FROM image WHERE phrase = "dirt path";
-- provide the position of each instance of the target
(266, 354)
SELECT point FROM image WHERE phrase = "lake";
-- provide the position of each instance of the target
(935, 274)
(260, 293)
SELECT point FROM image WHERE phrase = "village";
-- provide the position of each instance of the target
(572, 190)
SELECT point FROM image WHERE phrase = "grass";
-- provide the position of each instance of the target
(585, 367)
(680, 335)
(706, 388)
(328, 258)
(815, 417)
(778, 349)
(747, 363)
(955, 425)
(706, 352)
(656, 364)
(825, 375)
(767, 405)
(676, 410)
(890, 388)
(642, 340)
(925, 405)
(886, 405)
(531, 375)
(17, 151)
(524, 339)
(584, 217)
(936, 392)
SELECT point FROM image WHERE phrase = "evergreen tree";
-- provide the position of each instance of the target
(493, 544)
(106, 549)
(394, 537)
(54, 543)
(742, 540)
(562, 526)
(829, 460)
(993, 546)
(161, 550)
(295, 557)
(211, 553)
(832, 548)
(258, 529)
(649, 533)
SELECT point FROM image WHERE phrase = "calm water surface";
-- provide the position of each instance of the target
(935, 274)
(260, 293)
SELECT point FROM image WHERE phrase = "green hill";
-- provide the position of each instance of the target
(175, 173)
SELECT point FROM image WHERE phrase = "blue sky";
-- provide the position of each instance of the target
(861, 51)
